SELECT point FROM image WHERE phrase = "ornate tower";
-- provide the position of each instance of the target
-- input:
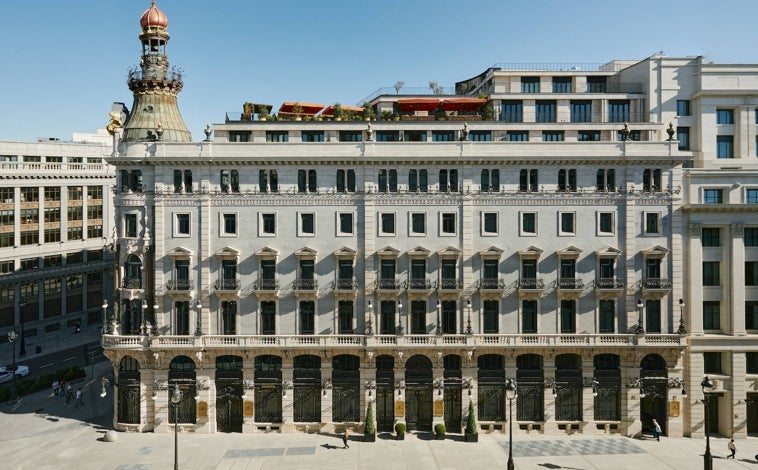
(155, 114)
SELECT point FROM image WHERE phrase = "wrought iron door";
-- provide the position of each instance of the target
(453, 405)
(128, 399)
(654, 404)
(418, 407)
(229, 408)
(530, 405)
(752, 413)
(491, 402)
(568, 403)
(385, 408)
(268, 403)
(307, 403)
(346, 402)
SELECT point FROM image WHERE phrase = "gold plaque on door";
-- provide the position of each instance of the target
(399, 408)
(439, 408)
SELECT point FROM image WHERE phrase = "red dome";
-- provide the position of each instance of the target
(153, 17)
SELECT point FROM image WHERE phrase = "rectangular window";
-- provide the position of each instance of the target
(386, 224)
(530, 84)
(724, 146)
(74, 233)
(588, 136)
(236, 136)
(480, 136)
(711, 315)
(552, 136)
(710, 236)
(351, 136)
(568, 316)
(517, 136)
(346, 181)
(52, 193)
(682, 107)
(511, 111)
(345, 314)
(73, 213)
(443, 136)
(712, 362)
(544, 111)
(387, 136)
(307, 317)
(490, 310)
(230, 181)
(418, 223)
(607, 316)
(751, 273)
(312, 136)
(653, 315)
(607, 268)
(652, 223)
(529, 316)
(268, 317)
(581, 111)
(181, 225)
(751, 317)
(418, 180)
(618, 111)
(606, 179)
(490, 181)
(528, 225)
(713, 196)
(528, 180)
(724, 116)
(567, 223)
(94, 231)
(29, 194)
(277, 136)
(711, 273)
(344, 224)
(229, 224)
(447, 223)
(751, 196)
(29, 237)
(414, 136)
(130, 225)
(489, 224)
(267, 225)
(567, 180)
(52, 235)
(448, 180)
(268, 181)
(561, 84)
(683, 136)
(307, 225)
(751, 236)
(52, 214)
(387, 181)
(6, 267)
(596, 84)
(651, 180)
(605, 225)
(306, 181)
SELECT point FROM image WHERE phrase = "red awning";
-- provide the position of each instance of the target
(329, 110)
(418, 104)
(462, 104)
(307, 109)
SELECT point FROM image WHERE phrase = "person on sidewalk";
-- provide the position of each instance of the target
(345, 437)
(656, 431)
(56, 387)
(732, 449)
(79, 400)
(69, 394)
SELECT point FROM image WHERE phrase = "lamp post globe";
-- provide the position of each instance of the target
(707, 386)
(176, 398)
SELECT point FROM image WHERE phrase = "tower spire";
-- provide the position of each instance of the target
(155, 87)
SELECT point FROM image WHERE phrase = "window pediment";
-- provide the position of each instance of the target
(306, 253)
(449, 252)
(227, 252)
(656, 252)
(179, 252)
(345, 253)
(267, 252)
(388, 252)
(608, 252)
(530, 253)
(419, 252)
(570, 252)
(492, 252)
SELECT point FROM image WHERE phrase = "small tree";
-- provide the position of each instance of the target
(370, 427)
(399, 86)
(338, 111)
(471, 427)
(368, 112)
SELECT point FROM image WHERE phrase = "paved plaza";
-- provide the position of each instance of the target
(41, 432)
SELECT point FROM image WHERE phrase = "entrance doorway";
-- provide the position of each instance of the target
(418, 382)
(453, 404)
(653, 383)
(229, 393)
(385, 396)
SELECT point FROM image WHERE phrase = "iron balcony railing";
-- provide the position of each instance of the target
(609, 283)
(345, 284)
(227, 284)
(492, 284)
(388, 284)
(305, 284)
(656, 283)
(570, 284)
(531, 284)
(266, 284)
(179, 284)
(131, 283)
(419, 284)
(450, 284)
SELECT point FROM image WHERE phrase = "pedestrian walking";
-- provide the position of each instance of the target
(69, 393)
(732, 449)
(656, 431)
(56, 387)
(345, 437)
(79, 400)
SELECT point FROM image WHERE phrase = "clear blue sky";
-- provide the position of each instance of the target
(64, 62)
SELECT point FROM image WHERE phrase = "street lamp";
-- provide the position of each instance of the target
(176, 398)
(11, 340)
(510, 393)
(399, 317)
(22, 345)
(198, 329)
(103, 384)
(469, 331)
(439, 331)
(707, 387)
(682, 330)
(369, 328)
(640, 306)
(105, 316)
(143, 329)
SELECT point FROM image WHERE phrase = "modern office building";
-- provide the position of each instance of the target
(55, 219)
(545, 224)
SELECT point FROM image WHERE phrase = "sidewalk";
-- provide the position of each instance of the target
(41, 432)
(49, 343)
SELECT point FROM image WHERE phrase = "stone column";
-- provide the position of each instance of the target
(551, 427)
(695, 324)
(288, 391)
(588, 398)
(736, 281)
(327, 397)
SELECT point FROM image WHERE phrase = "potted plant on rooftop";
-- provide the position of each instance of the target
(263, 112)
(400, 431)
(338, 111)
(472, 430)
(369, 431)
(297, 110)
(368, 112)
(247, 111)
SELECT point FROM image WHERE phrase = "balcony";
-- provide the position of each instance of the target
(420, 287)
(654, 287)
(266, 289)
(179, 285)
(131, 283)
(609, 288)
(570, 288)
(227, 287)
(388, 285)
(530, 288)
(345, 289)
(491, 288)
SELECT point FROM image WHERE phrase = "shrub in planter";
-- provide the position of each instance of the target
(439, 431)
(369, 432)
(472, 430)
(400, 430)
